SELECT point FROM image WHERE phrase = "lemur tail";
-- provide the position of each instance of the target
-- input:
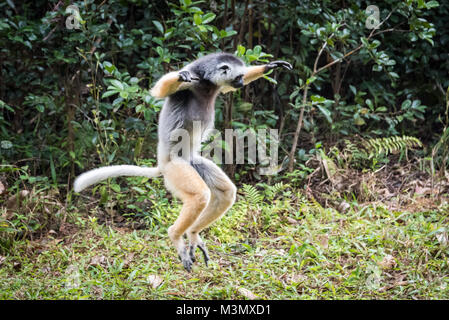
(96, 175)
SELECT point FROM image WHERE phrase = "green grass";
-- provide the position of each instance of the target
(278, 246)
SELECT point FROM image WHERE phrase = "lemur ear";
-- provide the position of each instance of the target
(224, 67)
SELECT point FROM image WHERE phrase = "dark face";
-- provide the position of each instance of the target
(237, 82)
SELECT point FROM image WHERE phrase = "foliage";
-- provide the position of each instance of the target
(370, 152)
(74, 97)
(357, 100)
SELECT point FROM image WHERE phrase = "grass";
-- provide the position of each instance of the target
(277, 245)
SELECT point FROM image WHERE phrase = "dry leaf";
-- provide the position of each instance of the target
(154, 280)
(292, 221)
(246, 293)
(281, 252)
(173, 293)
(388, 262)
(422, 190)
(399, 281)
(73, 277)
(324, 241)
(344, 207)
(296, 278)
(98, 261)
(2, 259)
(12, 201)
(129, 258)
(442, 238)
(2, 188)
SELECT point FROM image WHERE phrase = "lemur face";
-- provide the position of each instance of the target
(229, 74)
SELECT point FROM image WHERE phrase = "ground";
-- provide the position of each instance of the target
(275, 243)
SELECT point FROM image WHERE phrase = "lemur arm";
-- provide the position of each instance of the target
(172, 82)
(255, 72)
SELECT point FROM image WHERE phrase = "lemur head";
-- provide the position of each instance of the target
(221, 69)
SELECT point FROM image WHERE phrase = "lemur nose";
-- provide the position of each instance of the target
(237, 83)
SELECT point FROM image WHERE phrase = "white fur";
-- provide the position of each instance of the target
(96, 175)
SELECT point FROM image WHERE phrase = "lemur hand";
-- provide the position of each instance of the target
(277, 64)
(185, 76)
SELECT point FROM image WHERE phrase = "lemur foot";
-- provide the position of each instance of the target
(186, 260)
(279, 63)
(192, 249)
(203, 249)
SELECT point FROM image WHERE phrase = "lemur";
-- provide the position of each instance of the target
(205, 190)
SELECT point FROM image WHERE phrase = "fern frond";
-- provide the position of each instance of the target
(389, 145)
(252, 195)
(272, 191)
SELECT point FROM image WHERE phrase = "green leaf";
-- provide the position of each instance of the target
(326, 113)
(124, 94)
(377, 68)
(139, 190)
(318, 99)
(240, 51)
(208, 17)
(115, 187)
(370, 104)
(117, 84)
(197, 19)
(416, 104)
(109, 67)
(159, 26)
(432, 4)
(311, 80)
(228, 33)
(358, 121)
(6, 144)
(393, 75)
(406, 104)
(160, 51)
(257, 50)
(109, 93)
(353, 89)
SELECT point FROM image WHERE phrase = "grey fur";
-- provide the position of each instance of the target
(196, 103)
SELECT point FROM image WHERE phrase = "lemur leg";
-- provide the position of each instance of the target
(223, 193)
(186, 184)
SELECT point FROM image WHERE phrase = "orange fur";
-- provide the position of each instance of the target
(167, 85)
(253, 73)
(186, 184)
